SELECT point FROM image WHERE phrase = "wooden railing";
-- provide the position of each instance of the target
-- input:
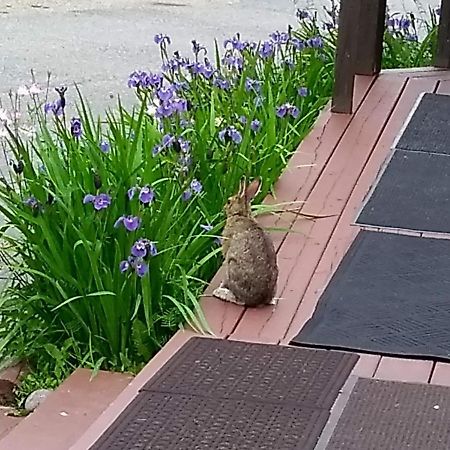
(360, 46)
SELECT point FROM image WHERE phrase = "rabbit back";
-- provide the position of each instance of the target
(250, 262)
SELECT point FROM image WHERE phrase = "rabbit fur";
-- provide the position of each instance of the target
(251, 269)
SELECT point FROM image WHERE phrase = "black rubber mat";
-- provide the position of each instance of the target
(218, 394)
(386, 415)
(241, 370)
(389, 295)
(159, 421)
(412, 193)
(429, 127)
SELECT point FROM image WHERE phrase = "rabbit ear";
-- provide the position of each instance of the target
(242, 187)
(252, 190)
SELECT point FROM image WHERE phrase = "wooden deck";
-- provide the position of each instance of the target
(332, 172)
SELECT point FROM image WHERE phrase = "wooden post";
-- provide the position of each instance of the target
(442, 58)
(372, 18)
(344, 69)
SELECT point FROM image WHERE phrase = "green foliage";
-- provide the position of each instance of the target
(75, 298)
(68, 252)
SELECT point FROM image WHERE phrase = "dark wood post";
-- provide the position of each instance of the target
(372, 20)
(442, 58)
(344, 78)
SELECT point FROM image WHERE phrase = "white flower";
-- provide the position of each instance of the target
(22, 91)
(35, 89)
(3, 133)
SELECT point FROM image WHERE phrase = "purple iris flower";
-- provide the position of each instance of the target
(266, 50)
(56, 107)
(124, 266)
(165, 109)
(222, 83)
(48, 107)
(412, 37)
(141, 268)
(287, 109)
(100, 201)
(235, 43)
(185, 145)
(165, 93)
(302, 14)
(180, 105)
(196, 186)
(298, 43)
(233, 61)
(141, 79)
(315, 42)
(31, 202)
(294, 112)
(186, 195)
(253, 85)
(281, 111)
(131, 223)
(303, 91)
(208, 70)
(279, 38)
(89, 198)
(404, 23)
(167, 140)
(147, 195)
(197, 48)
(75, 127)
(131, 193)
(230, 134)
(161, 39)
(139, 249)
(105, 147)
(243, 120)
(255, 125)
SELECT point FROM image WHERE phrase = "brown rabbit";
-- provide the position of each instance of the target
(251, 270)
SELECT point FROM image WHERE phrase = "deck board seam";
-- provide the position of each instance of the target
(329, 240)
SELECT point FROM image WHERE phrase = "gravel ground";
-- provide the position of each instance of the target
(98, 43)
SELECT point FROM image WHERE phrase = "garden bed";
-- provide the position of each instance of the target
(117, 221)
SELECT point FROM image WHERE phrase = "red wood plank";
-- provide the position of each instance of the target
(99, 426)
(345, 233)
(407, 370)
(308, 162)
(301, 253)
(67, 412)
(366, 365)
(444, 87)
(220, 316)
(296, 182)
(441, 374)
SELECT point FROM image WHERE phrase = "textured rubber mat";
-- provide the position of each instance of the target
(159, 421)
(218, 394)
(389, 295)
(412, 193)
(241, 370)
(429, 127)
(386, 415)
